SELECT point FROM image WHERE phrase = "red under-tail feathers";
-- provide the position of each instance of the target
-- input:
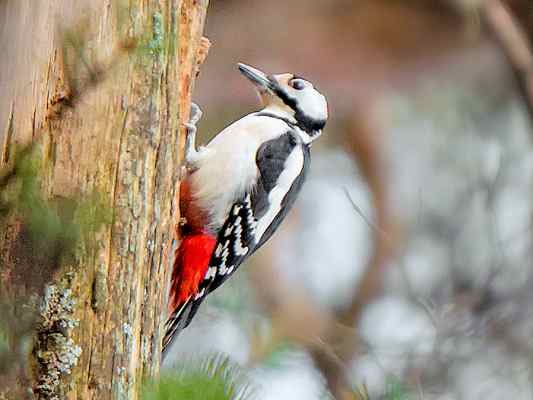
(191, 261)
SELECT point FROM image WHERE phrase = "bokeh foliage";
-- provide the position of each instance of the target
(54, 225)
(213, 378)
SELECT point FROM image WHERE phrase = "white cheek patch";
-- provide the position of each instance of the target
(312, 104)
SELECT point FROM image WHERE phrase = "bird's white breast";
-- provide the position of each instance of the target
(227, 166)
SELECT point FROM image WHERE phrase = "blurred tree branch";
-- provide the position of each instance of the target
(513, 37)
(364, 143)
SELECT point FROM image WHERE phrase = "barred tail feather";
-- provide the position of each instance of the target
(176, 323)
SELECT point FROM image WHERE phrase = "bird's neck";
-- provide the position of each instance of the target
(288, 116)
(280, 112)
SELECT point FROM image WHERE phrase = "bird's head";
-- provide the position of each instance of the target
(292, 97)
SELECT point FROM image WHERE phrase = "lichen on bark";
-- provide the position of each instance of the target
(55, 351)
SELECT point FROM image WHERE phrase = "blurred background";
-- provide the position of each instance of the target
(406, 263)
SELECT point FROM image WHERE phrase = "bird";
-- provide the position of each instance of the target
(237, 189)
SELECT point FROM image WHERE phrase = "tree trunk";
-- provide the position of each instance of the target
(99, 92)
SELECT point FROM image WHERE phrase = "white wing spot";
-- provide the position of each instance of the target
(250, 219)
(219, 249)
(222, 268)
(239, 249)
(228, 230)
(211, 273)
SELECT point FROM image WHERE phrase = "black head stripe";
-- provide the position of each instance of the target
(309, 125)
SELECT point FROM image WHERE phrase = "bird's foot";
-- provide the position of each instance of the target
(191, 154)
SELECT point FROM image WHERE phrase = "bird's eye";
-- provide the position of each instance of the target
(297, 84)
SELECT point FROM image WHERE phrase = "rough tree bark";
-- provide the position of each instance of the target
(100, 90)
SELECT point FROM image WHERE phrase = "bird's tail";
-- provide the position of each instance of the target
(191, 260)
(175, 324)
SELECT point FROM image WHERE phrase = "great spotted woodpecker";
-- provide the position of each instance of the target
(238, 188)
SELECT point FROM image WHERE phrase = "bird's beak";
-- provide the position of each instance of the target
(258, 78)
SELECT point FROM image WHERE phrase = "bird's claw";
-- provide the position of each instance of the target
(191, 154)
(195, 115)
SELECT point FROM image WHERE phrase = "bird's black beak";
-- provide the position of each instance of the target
(258, 78)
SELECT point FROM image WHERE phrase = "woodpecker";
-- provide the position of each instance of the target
(239, 187)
